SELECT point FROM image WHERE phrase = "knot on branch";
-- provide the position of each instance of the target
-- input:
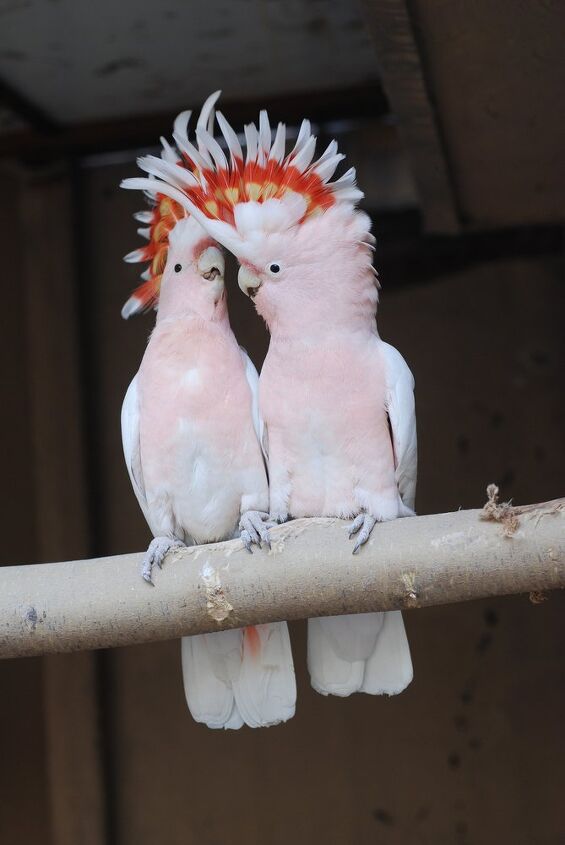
(410, 597)
(30, 618)
(538, 597)
(503, 512)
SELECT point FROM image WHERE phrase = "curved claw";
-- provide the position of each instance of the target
(254, 528)
(245, 538)
(362, 525)
(156, 552)
(146, 574)
(356, 524)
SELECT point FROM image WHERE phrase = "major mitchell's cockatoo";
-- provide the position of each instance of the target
(191, 438)
(337, 402)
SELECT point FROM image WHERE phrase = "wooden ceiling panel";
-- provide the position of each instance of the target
(497, 76)
(80, 61)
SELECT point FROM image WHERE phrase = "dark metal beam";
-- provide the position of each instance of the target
(101, 136)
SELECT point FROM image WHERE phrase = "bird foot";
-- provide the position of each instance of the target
(362, 525)
(158, 549)
(254, 528)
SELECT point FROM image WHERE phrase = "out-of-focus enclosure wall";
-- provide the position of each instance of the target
(459, 152)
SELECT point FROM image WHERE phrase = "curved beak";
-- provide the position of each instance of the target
(248, 281)
(211, 263)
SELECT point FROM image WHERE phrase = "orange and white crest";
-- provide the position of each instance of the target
(235, 194)
(162, 217)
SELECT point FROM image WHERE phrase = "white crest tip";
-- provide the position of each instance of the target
(131, 307)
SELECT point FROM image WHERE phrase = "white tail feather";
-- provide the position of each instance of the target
(330, 674)
(265, 690)
(388, 671)
(364, 653)
(209, 664)
(232, 678)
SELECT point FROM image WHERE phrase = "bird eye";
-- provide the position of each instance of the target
(178, 268)
(275, 267)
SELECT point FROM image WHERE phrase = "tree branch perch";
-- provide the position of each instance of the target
(310, 571)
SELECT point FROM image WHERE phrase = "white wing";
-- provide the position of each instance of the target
(402, 416)
(252, 377)
(130, 443)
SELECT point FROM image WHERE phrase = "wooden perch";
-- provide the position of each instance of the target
(310, 571)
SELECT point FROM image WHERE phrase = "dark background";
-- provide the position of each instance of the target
(452, 114)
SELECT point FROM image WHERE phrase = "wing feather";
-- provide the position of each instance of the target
(252, 377)
(402, 416)
(130, 443)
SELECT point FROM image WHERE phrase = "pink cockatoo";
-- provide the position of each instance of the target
(191, 436)
(337, 401)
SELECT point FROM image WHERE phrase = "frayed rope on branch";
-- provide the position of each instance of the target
(508, 514)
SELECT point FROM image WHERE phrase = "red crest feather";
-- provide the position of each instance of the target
(265, 173)
(162, 219)
(201, 180)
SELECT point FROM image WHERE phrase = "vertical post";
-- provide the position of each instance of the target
(403, 75)
(47, 226)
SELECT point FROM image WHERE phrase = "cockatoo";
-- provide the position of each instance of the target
(191, 438)
(337, 401)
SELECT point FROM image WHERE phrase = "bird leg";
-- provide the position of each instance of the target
(362, 525)
(158, 549)
(254, 528)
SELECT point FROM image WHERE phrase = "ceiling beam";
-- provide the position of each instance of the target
(101, 136)
(404, 79)
(27, 111)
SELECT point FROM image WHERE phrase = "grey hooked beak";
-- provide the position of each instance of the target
(248, 281)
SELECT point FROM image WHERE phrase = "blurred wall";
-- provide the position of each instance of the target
(471, 752)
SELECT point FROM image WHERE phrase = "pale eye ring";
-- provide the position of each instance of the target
(274, 267)
(178, 268)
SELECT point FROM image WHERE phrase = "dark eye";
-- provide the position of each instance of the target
(274, 268)
(178, 268)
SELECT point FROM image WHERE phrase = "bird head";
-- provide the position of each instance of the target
(186, 265)
(192, 281)
(303, 247)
